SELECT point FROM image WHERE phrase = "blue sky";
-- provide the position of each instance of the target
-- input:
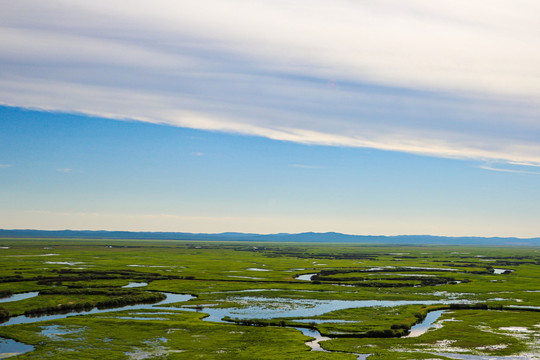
(79, 172)
(387, 117)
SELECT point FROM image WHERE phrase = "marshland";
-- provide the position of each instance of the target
(143, 299)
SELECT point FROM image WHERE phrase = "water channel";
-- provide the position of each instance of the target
(9, 347)
(254, 308)
(424, 326)
(18, 297)
(269, 308)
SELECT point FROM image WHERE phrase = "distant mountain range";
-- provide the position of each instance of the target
(302, 237)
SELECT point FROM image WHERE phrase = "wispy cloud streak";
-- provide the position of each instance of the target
(521, 169)
(451, 80)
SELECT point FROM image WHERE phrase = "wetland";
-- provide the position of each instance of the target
(186, 300)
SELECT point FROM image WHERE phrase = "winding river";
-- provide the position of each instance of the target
(254, 309)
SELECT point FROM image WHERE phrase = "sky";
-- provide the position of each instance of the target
(363, 117)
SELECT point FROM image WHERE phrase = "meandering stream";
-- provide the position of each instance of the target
(10, 347)
(255, 309)
(23, 319)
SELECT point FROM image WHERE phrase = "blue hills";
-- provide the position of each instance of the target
(327, 237)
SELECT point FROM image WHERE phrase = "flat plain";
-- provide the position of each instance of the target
(142, 299)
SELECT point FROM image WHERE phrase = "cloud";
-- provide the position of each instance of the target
(64, 170)
(519, 168)
(3, 166)
(452, 80)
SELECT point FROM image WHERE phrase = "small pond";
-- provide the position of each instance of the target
(71, 263)
(502, 271)
(53, 331)
(305, 277)
(135, 284)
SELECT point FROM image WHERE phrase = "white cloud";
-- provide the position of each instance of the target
(515, 169)
(455, 79)
(64, 170)
(3, 166)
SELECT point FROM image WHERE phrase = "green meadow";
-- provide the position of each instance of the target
(247, 301)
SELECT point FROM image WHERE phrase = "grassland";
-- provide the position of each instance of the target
(72, 274)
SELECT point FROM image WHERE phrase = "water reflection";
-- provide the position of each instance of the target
(502, 271)
(135, 284)
(318, 338)
(315, 343)
(305, 277)
(422, 327)
(254, 308)
(23, 319)
(268, 308)
(9, 347)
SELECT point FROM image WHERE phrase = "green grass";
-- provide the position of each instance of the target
(182, 336)
(468, 331)
(220, 272)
